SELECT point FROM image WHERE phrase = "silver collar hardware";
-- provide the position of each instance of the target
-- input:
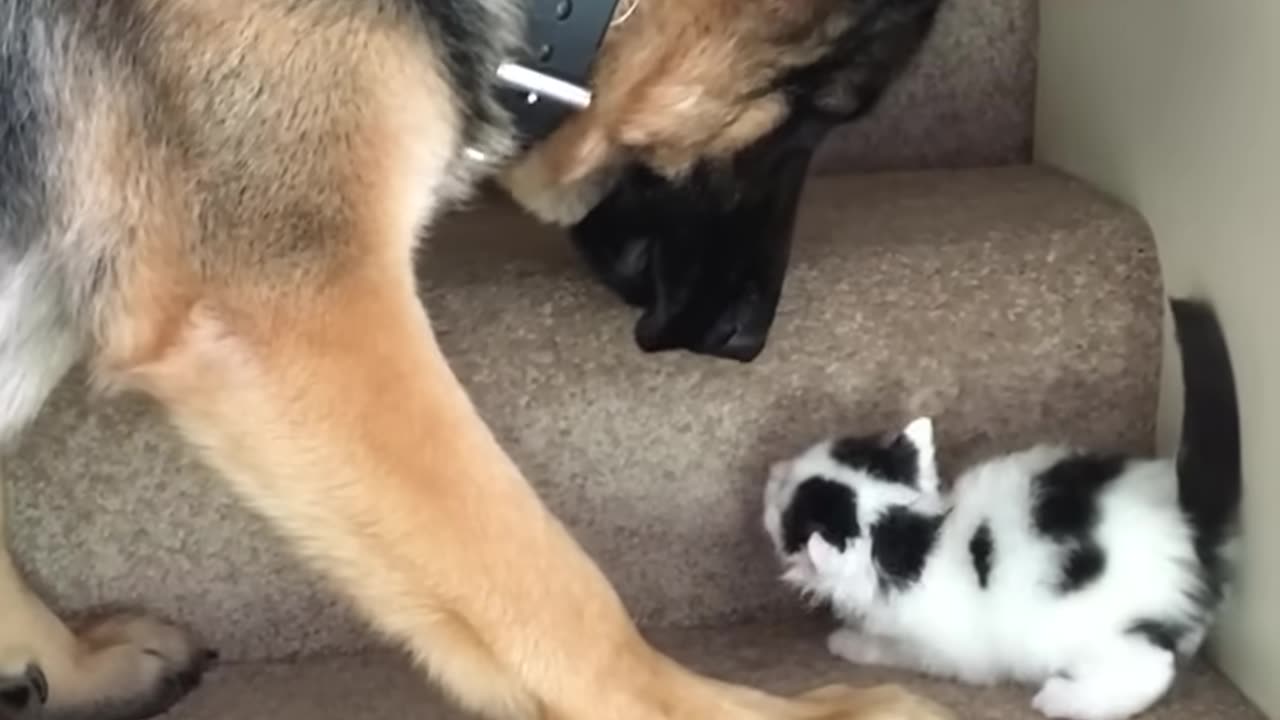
(548, 79)
(540, 85)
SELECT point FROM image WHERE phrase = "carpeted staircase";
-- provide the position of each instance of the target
(935, 271)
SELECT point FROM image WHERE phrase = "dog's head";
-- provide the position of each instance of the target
(846, 513)
(681, 178)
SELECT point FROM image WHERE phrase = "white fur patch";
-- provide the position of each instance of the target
(37, 346)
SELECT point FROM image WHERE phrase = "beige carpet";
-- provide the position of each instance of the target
(384, 687)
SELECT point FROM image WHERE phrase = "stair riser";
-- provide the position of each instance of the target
(968, 100)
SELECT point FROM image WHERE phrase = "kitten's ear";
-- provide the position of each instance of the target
(920, 434)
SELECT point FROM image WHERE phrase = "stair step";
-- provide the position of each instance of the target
(1013, 303)
(786, 659)
(968, 99)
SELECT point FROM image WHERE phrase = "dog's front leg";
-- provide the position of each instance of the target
(334, 413)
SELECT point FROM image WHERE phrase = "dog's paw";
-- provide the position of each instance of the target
(136, 667)
(23, 692)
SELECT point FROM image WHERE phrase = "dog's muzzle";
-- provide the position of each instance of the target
(704, 257)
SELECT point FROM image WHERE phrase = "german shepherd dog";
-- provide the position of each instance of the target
(216, 203)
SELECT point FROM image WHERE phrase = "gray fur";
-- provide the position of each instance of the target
(24, 130)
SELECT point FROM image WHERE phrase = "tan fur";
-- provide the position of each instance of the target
(678, 82)
(261, 290)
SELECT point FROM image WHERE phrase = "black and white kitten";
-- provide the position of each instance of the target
(1089, 575)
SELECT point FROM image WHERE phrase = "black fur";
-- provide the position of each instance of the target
(15, 699)
(901, 541)
(24, 126)
(896, 461)
(1210, 478)
(464, 29)
(1082, 564)
(1065, 510)
(1066, 495)
(20, 692)
(820, 506)
(862, 63)
(706, 255)
(981, 549)
(1163, 635)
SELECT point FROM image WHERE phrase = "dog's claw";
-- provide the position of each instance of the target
(24, 694)
(38, 682)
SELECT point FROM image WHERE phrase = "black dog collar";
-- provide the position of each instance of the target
(552, 79)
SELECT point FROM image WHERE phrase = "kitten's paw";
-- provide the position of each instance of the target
(1129, 678)
(1065, 699)
(1057, 699)
(858, 648)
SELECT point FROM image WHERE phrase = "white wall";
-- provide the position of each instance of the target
(1174, 106)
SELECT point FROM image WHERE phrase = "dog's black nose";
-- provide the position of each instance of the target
(704, 257)
(705, 283)
(713, 294)
(739, 333)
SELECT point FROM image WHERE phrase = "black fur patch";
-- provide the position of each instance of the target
(895, 462)
(1163, 635)
(901, 541)
(820, 506)
(1066, 495)
(464, 29)
(1065, 510)
(1081, 566)
(862, 62)
(981, 549)
(24, 123)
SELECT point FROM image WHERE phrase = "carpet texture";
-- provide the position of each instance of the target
(784, 659)
(967, 100)
(1014, 304)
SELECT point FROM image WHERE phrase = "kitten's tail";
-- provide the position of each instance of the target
(1210, 482)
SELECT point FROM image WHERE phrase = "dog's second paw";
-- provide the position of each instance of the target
(138, 667)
